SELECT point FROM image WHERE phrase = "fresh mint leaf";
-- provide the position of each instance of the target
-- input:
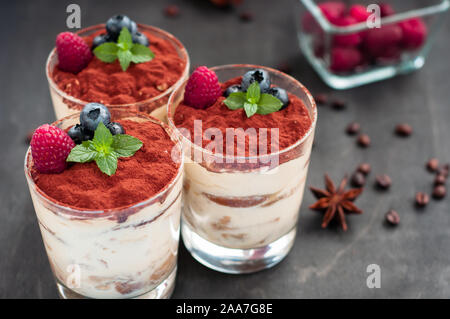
(125, 58)
(250, 108)
(124, 50)
(253, 101)
(126, 145)
(268, 104)
(125, 37)
(235, 100)
(107, 163)
(107, 52)
(105, 149)
(81, 154)
(141, 53)
(253, 93)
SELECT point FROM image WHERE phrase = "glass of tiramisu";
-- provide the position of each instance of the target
(143, 86)
(109, 236)
(246, 166)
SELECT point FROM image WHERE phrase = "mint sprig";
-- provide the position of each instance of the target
(105, 149)
(253, 101)
(124, 50)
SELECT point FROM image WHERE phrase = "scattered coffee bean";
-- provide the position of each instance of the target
(439, 179)
(338, 105)
(422, 199)
(358, 179)
(392, 217)
(321, 99)
(172, 11)
(403, 130)
(246, 16)
(444, 170)
(363, 140)
(433, 165)
(383, 181)
(353, 128)
(285, 67)
(364, 168)
(439, 192)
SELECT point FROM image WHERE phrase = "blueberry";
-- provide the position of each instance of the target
(93, 114)
(140, 39)
(78, 134)
(280, 94)
(115, 128)
(115, 24)
(232, 89)
(259, 75)
(100, 39)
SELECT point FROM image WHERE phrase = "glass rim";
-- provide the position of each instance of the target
(69, 210)
(166, 92)
(248, 158)
(327, 26)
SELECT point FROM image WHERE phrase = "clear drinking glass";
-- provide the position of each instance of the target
(126, 252)
(241, 217)
(316, 36)
(65, 104)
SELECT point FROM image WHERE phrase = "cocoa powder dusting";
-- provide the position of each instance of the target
(137, 178)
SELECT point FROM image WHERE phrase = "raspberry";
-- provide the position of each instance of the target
(332, 10)
(202, 89)
(386, 10)
(73, 53)
(345, 59)
(359, 12)
(50, 147)
(379, 41)
(414, 33)
(352, 39)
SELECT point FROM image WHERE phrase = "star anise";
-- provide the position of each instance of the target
(335, 202)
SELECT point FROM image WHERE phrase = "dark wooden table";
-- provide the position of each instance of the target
(414, 258)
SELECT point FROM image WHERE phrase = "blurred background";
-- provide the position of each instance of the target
(323, 263)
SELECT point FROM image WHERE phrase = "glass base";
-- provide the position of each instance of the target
(236, 261)
(163, 291)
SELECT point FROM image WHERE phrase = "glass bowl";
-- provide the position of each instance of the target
(347, 53)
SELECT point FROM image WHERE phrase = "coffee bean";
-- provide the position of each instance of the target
(358, 179)
(433, 164)
(246, 16)
(353, 128)
(172, 11)
(440, 179)
(321, 99)
(363, 140)
(444, 170)
(392, 217)
(338, 105)
(403, 130)
(422, 199)
(364, 168)
(383, 181)
(439, 192)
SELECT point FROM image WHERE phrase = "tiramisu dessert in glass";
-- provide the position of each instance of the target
(106, 187)
(119, 63)
(247, 133)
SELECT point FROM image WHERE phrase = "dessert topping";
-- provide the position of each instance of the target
(259, 75)
(124, 50)
(280, 94)
(50, 146)
(232, 89)
(115, 128)
(73, 52)
(92, 114)
(79, 134)
(115, 24)
(253, 101)
(336, 202)
(202, 89)
(105, 149)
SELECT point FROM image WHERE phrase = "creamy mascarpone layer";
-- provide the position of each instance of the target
(115, 260)
(245, 209)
